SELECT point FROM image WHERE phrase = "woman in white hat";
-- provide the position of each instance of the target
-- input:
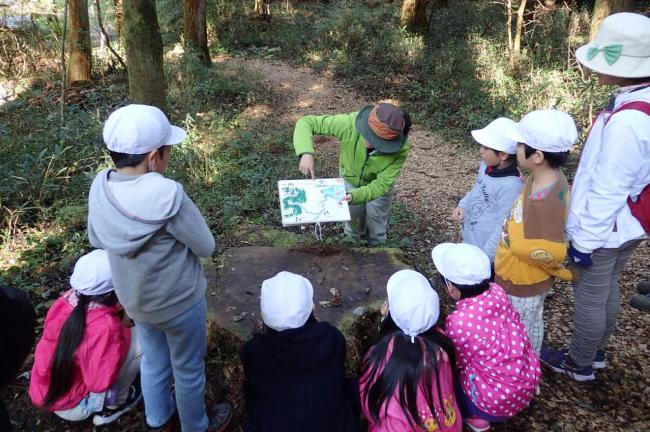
(610, 199)
(498, 183)
(87, 358)
(406, 379)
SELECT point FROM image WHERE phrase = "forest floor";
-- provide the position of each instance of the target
(434, 178)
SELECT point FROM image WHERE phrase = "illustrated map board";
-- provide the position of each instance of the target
(310, 201)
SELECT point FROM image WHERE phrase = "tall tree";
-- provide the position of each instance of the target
(196, 32)
(119, 21)
(144, 53)
(603, 8)
(261, 8)
(514, 41)
(80, 59)
(414, 15)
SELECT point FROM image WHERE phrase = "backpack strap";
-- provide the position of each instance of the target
(642, 106)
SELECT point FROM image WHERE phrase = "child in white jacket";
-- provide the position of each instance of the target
(614, 167)
(498, 183)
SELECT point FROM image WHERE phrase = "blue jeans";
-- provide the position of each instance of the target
(175, 350)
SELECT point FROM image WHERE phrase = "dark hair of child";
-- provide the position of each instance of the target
(554, 159)
(410, 365)
(512, 158)
(63, 368)
(125, 160)
(469, 291)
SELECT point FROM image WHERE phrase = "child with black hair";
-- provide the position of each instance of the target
(498, 183)
(498, 368)
(87, 358)
(154, 235)
(406, 379)
(295, 371)
(533, 248)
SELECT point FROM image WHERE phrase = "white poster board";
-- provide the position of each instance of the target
(310, 201)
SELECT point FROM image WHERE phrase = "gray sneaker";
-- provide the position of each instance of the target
(643, 287)
(641, 302)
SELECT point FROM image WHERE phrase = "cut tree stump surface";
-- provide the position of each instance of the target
(359, 275)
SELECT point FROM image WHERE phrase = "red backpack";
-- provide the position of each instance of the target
(640, 208)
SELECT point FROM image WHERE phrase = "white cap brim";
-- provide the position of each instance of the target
(485, 139)
(437, 253)
(177, 136)
(625, 66)
(516, 136)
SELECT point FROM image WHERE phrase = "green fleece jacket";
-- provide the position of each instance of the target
(372, 173)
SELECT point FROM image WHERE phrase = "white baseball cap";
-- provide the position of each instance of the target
(138, 129)
(413, 304)
(92, 274)
(287, 301)
(461, 263)
(496, 135)
(547, 130)
(621, 47)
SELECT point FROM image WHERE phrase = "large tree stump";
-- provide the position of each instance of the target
(359, 275)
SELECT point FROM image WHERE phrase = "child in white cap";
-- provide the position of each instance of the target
(295, 371)
(498, 183)
(609, 213)
(532, 248)
(154, 235)
(406, 379)
(87, 358)
(499, 369)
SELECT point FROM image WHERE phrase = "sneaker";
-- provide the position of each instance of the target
(560, 361)
(600, 362)
(643, 287)
(641, 302)
(219, 417)
(109, 415)
(477, 424)
(172, 425)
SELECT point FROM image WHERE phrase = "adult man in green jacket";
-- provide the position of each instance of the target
(373, 151)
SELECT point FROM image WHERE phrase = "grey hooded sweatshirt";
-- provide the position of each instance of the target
(488, 204)
(153, 234)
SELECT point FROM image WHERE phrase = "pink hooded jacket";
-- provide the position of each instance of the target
(499, 369)
(446, 418)
(98, 359)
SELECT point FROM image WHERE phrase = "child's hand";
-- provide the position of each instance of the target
(384, 309)
(458, 214)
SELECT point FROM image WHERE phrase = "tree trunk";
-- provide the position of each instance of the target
(515, 54)
(119, 21)
(144, 53)
(414, 15)
(196, 32)
(80, 59)
(261, 8)
(603, 8)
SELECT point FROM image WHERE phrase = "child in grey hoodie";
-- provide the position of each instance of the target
(154, 235)
(498, 183)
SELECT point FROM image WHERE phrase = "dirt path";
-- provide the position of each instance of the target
(435, 176)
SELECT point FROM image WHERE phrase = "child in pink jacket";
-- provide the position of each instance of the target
(412, 357)
(498, 367)
(87, 358)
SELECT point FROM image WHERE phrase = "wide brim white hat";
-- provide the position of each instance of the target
(461, 263)
(496, 135)
(547, 130)
(621, 47)
(92, 274)
(138, 129)
(413, 304)
(287, 301)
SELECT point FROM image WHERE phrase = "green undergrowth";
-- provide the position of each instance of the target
(229, 165)
(455, 78)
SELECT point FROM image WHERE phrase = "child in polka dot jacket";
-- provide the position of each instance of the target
(498, 368)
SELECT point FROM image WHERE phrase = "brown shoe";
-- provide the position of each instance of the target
(172, 425)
